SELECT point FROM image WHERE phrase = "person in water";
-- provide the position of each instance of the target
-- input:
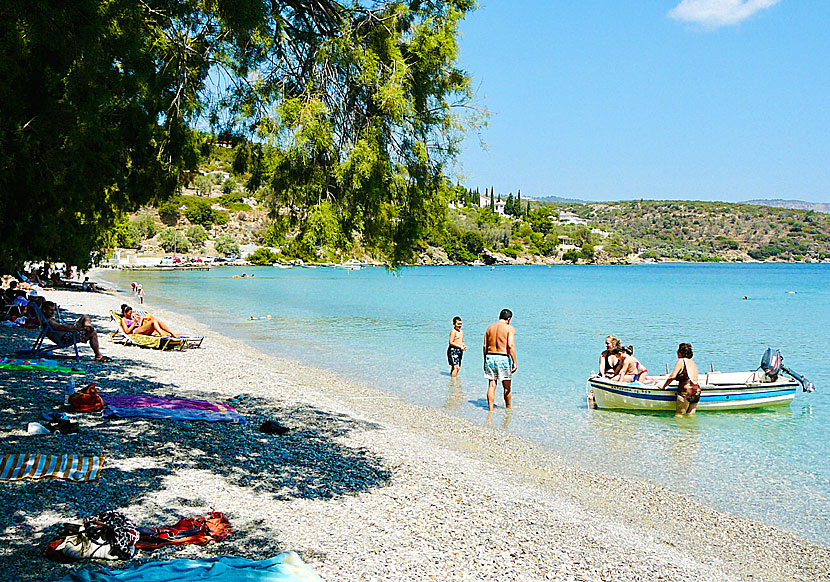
(685, 372)
(500, 361)
(144, 324)
(607, 360)
(629, 368)
(455, 351)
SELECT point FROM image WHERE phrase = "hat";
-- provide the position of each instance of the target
(33, 293)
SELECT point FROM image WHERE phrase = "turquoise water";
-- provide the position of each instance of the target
(389, 330)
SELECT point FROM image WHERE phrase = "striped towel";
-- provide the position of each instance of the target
(72, 467)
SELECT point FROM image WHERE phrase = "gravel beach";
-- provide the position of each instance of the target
(363, 486)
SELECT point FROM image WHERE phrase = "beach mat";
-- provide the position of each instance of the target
(285, 567)
(40, 365)
(70, 467)
(168, 408)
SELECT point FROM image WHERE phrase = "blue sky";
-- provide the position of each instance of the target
(606, 100)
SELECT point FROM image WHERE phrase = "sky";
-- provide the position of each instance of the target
(666, 99)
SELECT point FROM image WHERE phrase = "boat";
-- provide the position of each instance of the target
(770, 385)
(280, 266)
(351, 265)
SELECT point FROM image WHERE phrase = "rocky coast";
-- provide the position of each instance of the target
(363, 486)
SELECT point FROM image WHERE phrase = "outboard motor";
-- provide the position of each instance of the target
(771, 364)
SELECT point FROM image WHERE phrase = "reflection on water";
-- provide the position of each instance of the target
(455, 395)
(390, 331)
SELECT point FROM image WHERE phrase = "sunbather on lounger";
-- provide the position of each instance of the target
(82, 331)
(144, 324)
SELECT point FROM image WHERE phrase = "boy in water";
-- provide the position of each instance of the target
(455, 351)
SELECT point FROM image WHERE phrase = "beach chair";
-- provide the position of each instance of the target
(152, 341)
(190, 341)
(38, 349)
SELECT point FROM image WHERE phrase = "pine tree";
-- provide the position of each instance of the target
(508, 206)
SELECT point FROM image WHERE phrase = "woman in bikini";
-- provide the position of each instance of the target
(685, 372)
(607, 361)
(144, 324)
(629, 368)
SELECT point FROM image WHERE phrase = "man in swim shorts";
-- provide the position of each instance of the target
(455, 351)
(500, 357)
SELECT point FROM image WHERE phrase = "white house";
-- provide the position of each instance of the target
(484, 202)
(566, 217)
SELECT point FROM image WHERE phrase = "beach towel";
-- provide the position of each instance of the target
(141, 406)
(285, 567)
(41, 365)
(190, 530)
(71, 467)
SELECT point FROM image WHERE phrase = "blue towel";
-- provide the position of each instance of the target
(285, 567)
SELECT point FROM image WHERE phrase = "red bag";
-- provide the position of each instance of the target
(86, 400)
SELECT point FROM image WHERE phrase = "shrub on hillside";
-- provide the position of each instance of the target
(173, 241)
(169, 212)
(225, 245)
(263, 256)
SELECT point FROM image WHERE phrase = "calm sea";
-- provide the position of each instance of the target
(389, 330)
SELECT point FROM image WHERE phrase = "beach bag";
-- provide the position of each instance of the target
(106, 536)
(86, 400)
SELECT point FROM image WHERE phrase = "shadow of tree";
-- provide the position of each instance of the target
(308, 462)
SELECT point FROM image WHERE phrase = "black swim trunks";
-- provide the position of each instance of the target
(454, 355)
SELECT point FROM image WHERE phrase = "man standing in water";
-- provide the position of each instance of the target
(500, 356)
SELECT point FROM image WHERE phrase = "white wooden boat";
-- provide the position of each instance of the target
(719, 391)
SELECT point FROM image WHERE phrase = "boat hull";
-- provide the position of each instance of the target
(714, 396)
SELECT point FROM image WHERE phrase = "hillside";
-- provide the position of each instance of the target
(216, 215)
(795, 204)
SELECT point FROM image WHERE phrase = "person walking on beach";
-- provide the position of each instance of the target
(455, 351)
(500, 357)
(140, 293)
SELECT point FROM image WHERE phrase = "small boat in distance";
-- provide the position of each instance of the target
(351, 265)
(764, 387)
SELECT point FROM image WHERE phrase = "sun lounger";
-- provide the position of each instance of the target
(152, 341)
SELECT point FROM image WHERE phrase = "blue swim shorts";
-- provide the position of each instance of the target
(497, 367)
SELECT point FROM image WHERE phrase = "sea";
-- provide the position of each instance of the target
(389, 330)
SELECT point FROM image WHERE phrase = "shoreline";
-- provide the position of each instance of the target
(379, 488)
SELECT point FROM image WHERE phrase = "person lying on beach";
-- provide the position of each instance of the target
(608, 361)
(81, 332)
(143, 324)
(629, 368)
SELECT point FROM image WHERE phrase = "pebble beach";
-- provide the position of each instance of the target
(363, 486)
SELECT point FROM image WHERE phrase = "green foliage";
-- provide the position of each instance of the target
(145, 225)
(126, 234)
(201, 212)
(169, 213)
(203, 184)
(171, 240)
(361, 106)
(197, 235)
(263, 256)
(573, 256)
(225, 245)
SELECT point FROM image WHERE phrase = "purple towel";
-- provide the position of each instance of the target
(141, 406)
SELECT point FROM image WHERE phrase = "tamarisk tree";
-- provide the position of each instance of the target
(356, 109)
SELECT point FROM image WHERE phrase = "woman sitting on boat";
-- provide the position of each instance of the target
(685, 372)
(629, 368)
(608, 361)
(144, 324)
